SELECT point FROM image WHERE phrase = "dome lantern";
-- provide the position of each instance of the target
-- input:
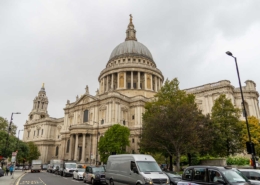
(130, 32)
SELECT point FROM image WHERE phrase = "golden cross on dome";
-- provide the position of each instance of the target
(43, 85)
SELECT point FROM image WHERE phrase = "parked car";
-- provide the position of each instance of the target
(49, 168)
(94, 175)
(78, 174)
(205, 175)
(44, 167)
(174, 177)
(252, 174)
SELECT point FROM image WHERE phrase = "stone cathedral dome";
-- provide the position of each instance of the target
(131, 69)
(131, 47)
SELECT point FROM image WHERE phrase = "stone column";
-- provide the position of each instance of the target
(132, 80)
(83, 149)
(138, 83)
(145, 85)
(151, 82)
(76, 147)
(155, 89)
(107, 84)
(112, 81)
(117, 80)
(125, 80)
(103, 82)
(70, 149)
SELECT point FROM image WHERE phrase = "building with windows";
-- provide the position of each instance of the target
(129, 79)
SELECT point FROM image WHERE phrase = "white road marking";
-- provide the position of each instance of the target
(42, 181)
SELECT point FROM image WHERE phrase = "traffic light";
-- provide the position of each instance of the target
(250, 147)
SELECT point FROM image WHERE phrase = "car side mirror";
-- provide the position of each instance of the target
(135, 170)
(221, 181)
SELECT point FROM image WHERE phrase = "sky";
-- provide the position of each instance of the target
(66, 44)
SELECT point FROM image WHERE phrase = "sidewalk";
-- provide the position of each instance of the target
(7, 180)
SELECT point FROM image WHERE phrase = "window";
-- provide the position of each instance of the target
(38, 132)
(31, 117)
(187, 174)
(28, 133)
(133, 151)
(85, 116)
(57, 150)
(128, 85)
(133, 165)
(214, 176)
(123, 122)
(34, 133)
(58, 136)
(200, 174)
(133, 117)
(68, 146)
(133, 140)
(42, 131)
(134, 85)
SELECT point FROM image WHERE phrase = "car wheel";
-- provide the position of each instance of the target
(111, 182)
(92, 181)
(171, 183)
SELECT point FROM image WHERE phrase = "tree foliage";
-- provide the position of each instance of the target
(33, 152)
(254, 128)
(115, 139)
(225, 128)
(173, 124)
(4, 126)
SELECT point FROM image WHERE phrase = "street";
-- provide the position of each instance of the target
(44, 178)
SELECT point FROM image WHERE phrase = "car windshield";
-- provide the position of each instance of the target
(98, 169)
(148, 166)
(70, 165)
(233, 176)
(173, 175)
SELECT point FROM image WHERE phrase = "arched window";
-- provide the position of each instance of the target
(85, 116)
(57, 151)
(68, 146)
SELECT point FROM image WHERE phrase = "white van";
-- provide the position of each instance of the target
(134, 169)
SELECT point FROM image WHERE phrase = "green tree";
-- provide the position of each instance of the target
(172, 125)
(4, 126)
(254, 128)
(115, 139)
(33, 152)
(227, 135)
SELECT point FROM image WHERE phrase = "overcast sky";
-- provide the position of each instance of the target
(65, 44)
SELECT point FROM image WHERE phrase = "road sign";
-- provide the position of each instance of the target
(13, 159)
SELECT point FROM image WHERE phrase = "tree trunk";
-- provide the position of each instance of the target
(170, 163)
(189, 159)
(178, 159)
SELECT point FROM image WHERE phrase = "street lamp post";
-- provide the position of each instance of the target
(102, 122)
(245, 113)
(9, 129)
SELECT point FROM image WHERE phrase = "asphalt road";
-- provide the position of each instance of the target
(44, 178)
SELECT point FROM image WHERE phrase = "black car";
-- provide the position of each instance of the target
(173, 176)
(94, 174)
(205, 175)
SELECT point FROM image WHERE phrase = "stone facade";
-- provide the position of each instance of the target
(129, 80)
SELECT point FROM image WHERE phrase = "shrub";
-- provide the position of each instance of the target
(237, 161)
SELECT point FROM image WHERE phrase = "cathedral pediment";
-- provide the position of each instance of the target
(86, 98)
